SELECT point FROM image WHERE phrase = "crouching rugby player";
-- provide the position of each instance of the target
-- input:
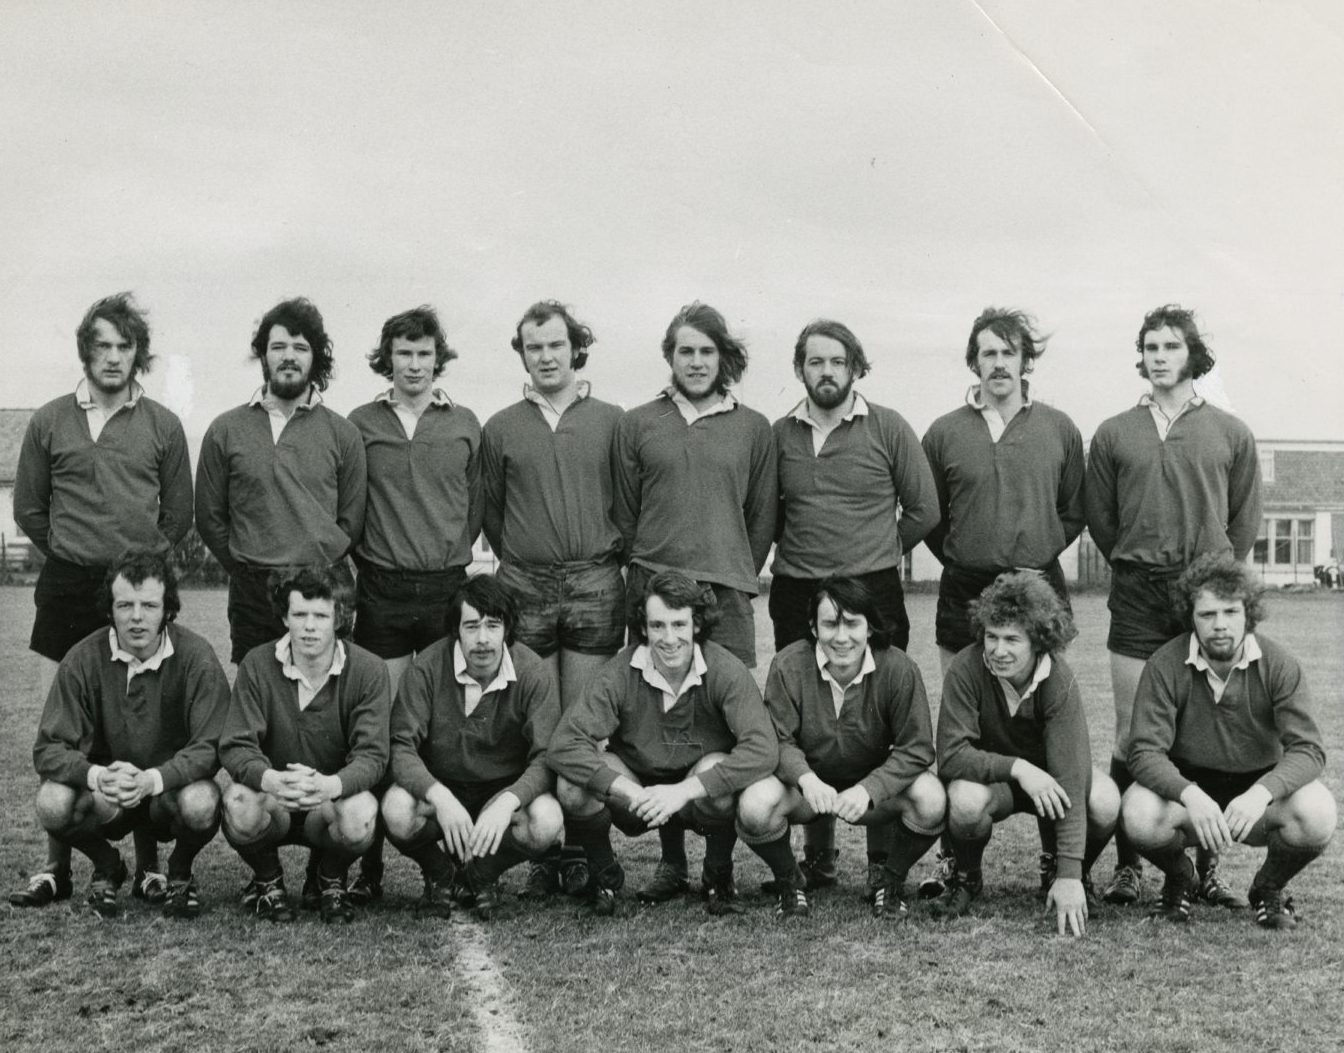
(1012, 737)
(855, 742)
(1224, 748)
(305, 740)
(470, 726)
(127, 742)
(686, 733)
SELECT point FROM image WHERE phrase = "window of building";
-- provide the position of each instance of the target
(1284, 542)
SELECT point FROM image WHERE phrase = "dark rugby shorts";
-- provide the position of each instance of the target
(474, 796)
(736, 629)
(574, 606)
(1222, 786)
(1144, 608)
(790, 597)
(401, 612)
(958, 586)
(68, 608)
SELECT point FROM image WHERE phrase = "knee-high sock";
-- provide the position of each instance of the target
(592, 833)
(186, 847)
(720, 840)
(905, 848)
(819, 838)
(1126, 855)
(487, 869)
(146, 848)
(968, 853)
(1171, 858)
(1097, 840)
(778, 856)
(672, 842)
(1046, 828)
(1283, 861)
(101, 853)
(263, 859)
(371, 862)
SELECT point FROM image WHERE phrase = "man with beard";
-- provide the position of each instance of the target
(128, 738)
(469, 732)
(423, 512)
(855, 494)
(696, 492)
(1172, 479)
(547, 465)
(100, 472)
(281, 480)
(1009, 473)
(1224, 748)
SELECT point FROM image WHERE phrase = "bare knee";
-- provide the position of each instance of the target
(574, 799)
(198, 805)
(967, 807)
(1145, 816)
(1311, 816)
(245, 815)
(356, 818)
(542, 824)
(927, 800)
(760, 806)
(400, 814)
(56, 806)
(1103, 803)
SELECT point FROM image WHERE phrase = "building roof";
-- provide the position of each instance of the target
(13, 423)
(1303, 475)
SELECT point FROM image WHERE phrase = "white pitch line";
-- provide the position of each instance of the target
(491, 1001)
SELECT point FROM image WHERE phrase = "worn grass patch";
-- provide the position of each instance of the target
(670, 977)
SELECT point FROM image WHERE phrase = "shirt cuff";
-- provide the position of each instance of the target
(95, 772)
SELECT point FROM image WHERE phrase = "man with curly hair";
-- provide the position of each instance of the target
(101, 471)
(281, 480)
(1012, 737)
(1169, 480)
(1224, 748)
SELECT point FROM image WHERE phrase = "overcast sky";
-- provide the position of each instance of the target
(896, 166)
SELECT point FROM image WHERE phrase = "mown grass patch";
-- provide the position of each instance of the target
(670, 977)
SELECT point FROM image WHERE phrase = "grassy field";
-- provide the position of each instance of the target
(671, 978)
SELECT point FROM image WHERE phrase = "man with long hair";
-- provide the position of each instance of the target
(1224, 748)
(1012, 737)
(1169, 480)
(281, 480)
(100, 472)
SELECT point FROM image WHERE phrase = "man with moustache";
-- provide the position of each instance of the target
(855, 495)
(696, 491)
(548, 493)
(1172, 479)
(685, 733)
(1009, 475)
(305, 742)
(100, 472)
(422, 515)
(1224, 748)
(281, 480)
(469, 732)
(128, 738)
